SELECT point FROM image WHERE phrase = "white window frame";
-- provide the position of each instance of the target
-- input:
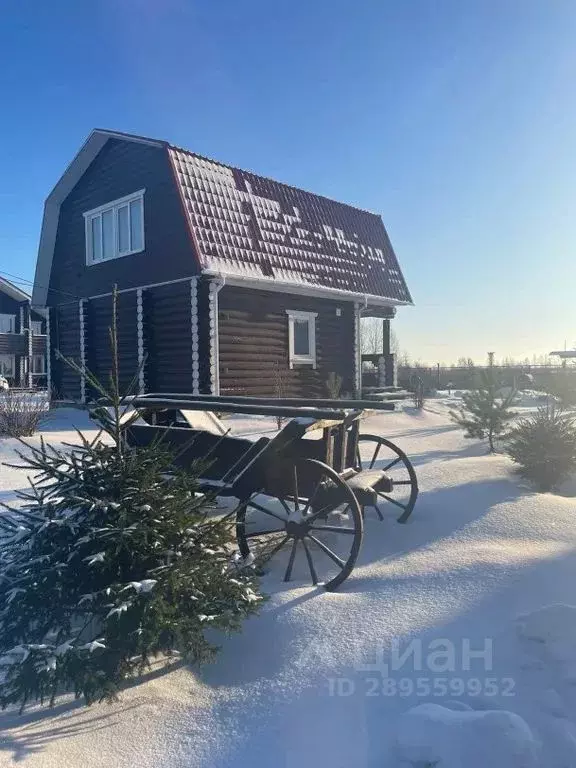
(13, 360)
(114, 206)
(37, 323)
(12, 323)
(43, 366)
(310, 317)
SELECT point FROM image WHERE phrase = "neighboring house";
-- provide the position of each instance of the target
(22, 338)
(228, 281)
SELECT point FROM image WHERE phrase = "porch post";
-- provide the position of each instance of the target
(26, 327)
(48, 356)
(387, 370)
(213, 290)
(20, 361)
(357, 352)
(386, 336)
(30, 382)
(195, 335)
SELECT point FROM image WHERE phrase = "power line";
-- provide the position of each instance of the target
(16, 279)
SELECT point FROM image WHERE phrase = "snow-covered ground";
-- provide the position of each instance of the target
(452, 645)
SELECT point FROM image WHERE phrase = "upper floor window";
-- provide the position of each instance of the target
(7, 323)
(115, 229)
(302, 337)
(36, 326)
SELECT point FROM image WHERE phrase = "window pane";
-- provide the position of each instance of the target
(7, 365)
(123, 230)
(136, 228)
(301, 337)
(96, 239)
(36, 326)
(38, 364)
(107, 235)
(7, 323)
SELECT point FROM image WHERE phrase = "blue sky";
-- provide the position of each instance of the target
(454, 119)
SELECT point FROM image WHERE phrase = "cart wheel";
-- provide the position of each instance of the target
(376, 452)
(313, 528)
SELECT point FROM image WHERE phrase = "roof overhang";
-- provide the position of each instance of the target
(13, 291)
(565, 354)
(304, 289)
(64, 186)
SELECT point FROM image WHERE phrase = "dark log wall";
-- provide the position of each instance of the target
(98, 351)
(168, 338)
(38, 345)
(13, 344)
(253, 339)
(65, 337)
(120, 169)
(204, 335)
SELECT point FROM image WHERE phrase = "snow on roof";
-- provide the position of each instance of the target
(249, 226)
(254, 227)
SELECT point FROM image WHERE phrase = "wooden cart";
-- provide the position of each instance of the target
(300, 495)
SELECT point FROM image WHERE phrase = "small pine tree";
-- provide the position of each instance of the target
(544, 447)
(485, 414)
(113, 559)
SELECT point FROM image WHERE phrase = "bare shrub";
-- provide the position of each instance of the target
(417, 386)
(21, 413)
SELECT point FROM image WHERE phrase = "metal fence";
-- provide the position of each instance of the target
(468, 377)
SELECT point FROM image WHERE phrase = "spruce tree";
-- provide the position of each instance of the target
(484, 413)
(544, 447)
(113, 559)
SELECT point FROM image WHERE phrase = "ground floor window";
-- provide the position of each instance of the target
(7, 365)
(302, 337)
(38, 364)
(7, 324)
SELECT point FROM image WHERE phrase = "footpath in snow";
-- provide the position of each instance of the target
(452, 645)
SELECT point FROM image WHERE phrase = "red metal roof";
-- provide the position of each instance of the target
(250, 226)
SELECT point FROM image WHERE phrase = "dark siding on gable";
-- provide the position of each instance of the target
(121, 168)
(253, 340)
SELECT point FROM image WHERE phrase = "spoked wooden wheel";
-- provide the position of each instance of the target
(376, 452)
(309, 531)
